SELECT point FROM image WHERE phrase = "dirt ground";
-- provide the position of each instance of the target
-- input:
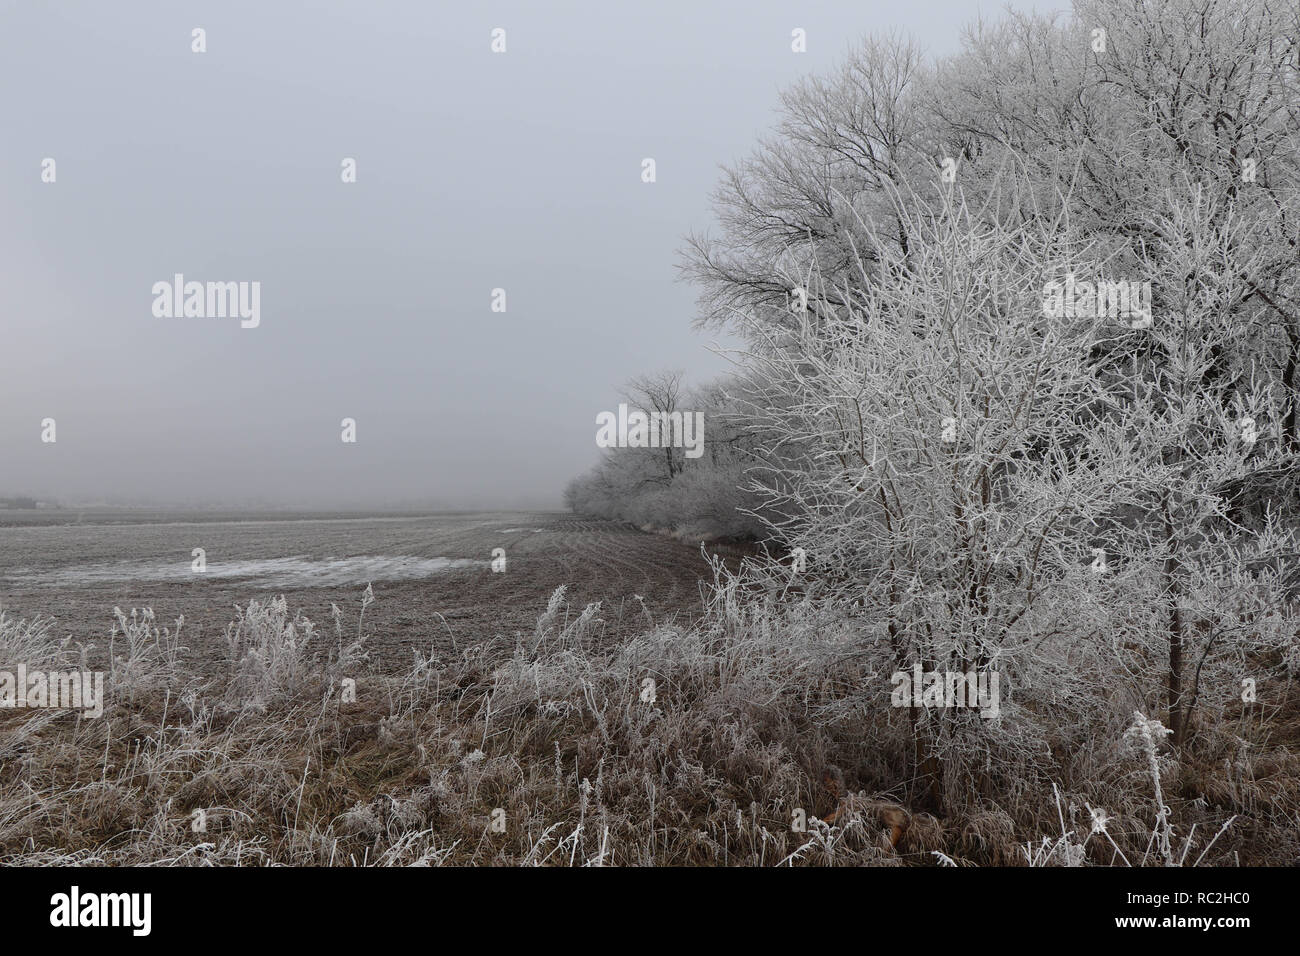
(43, 562)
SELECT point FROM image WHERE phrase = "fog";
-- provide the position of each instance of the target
(475, 171)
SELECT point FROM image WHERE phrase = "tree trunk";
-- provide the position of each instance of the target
(1175, 685)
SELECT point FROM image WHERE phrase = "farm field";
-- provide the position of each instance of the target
(431, 574)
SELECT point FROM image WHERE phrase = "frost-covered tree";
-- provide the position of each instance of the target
(1112, 117)
(925, 455)
(1085, 497)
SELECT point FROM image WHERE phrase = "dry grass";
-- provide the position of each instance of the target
(758, 713)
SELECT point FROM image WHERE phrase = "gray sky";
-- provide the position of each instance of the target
(475, 171)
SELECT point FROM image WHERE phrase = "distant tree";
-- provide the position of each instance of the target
(659, 393)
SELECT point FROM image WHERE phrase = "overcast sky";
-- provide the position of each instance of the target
(475, 171)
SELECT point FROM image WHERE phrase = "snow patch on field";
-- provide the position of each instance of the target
(292, 572)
